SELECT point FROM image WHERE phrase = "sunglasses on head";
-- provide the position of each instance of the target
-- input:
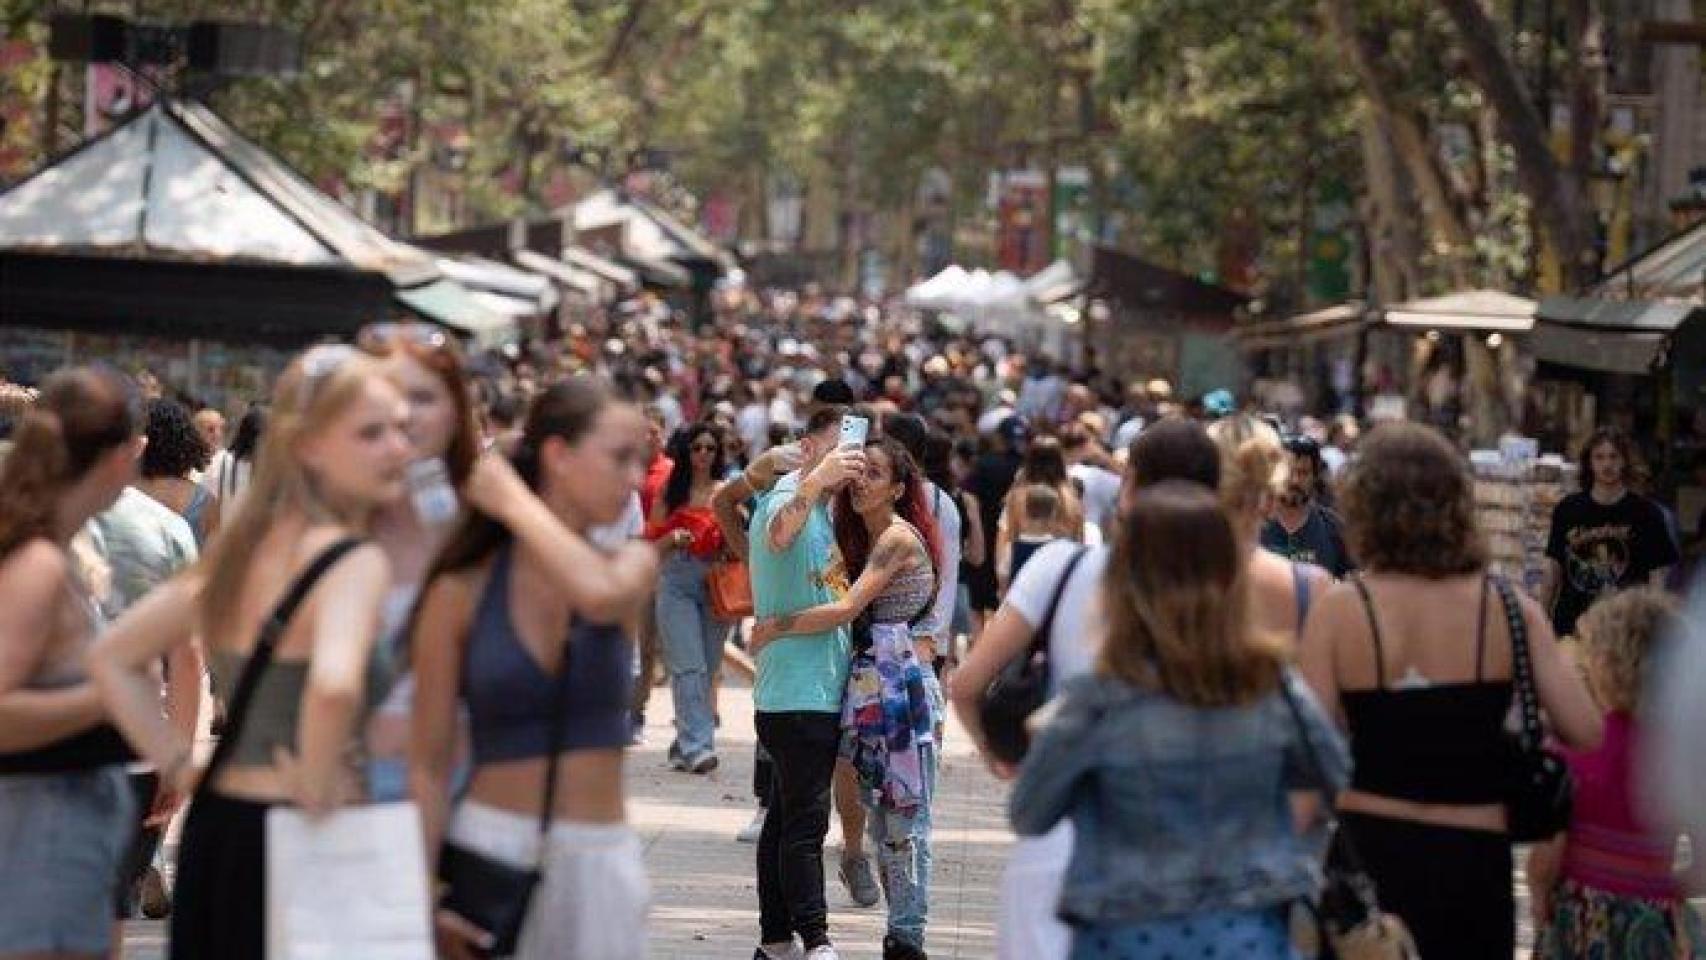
(380, 336)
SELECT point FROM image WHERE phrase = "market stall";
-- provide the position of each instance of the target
(173, 243)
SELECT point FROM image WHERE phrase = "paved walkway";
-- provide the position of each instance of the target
(705, 902)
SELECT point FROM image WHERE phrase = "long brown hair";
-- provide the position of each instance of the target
(1178, 606)
(315, 389)
(566, 410)
(81, 414)
(433, 349)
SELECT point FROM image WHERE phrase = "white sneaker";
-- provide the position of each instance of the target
(751, 832)
(825, 952)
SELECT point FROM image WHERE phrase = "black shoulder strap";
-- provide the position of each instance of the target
(262, 655)
(554, 743)
(1374, 632)
(1039, 640)
(1522, 667)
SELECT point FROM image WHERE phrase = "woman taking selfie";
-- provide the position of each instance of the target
(519, 625)
(888, 541)
(333, 455)
(64, 800)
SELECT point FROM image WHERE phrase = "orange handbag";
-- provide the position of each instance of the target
(731, 590)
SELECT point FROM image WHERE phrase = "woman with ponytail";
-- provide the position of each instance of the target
(519, 624)
(64, 800)
(888, 539)
(333, 454)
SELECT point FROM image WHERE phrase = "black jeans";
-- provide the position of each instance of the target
(143, 845)
(802, 748)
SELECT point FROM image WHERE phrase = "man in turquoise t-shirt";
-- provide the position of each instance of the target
(797, 696)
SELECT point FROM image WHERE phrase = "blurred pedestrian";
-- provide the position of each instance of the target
(1203, 860)
(334, 454)
(521, 626)
(176, 452)
(1416, 656)
(1608, 887)
(65, 806)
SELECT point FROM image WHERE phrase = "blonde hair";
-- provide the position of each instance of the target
(1179, 620)
(1252, 463)
(314, 390)
(1616, 634)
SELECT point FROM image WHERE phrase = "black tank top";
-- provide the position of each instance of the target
(1443, 743)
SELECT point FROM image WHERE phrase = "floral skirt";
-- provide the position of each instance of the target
(1589, 924)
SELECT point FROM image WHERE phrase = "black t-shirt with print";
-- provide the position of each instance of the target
(1603, 548)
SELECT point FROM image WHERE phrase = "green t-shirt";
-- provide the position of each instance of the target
(807, 672)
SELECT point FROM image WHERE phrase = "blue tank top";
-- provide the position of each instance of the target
(509, 695)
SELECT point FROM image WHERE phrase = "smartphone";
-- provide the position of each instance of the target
(431, 492)
(854, 431)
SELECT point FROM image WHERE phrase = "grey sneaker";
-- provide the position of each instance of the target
(860, 880)
(701, 763)
(676, 760)
(751, 832)
(825, 952)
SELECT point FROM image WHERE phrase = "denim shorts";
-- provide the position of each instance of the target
(62, 838)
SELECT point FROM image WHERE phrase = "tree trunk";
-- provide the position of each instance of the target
(1587, 62)
(1560, 206)
(1406, 138)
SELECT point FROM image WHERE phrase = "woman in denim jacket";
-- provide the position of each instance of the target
(1175, 758)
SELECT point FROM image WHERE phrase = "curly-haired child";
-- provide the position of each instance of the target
(1607, 887)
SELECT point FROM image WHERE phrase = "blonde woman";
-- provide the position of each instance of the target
(1252, 479)
(1174, 757)
(335, 451)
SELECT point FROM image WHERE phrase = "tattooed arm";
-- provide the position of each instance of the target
(896, 550)
(830, 475)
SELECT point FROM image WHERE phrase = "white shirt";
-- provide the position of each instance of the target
(993, 418)
(629, 526)
(753, 424)
(1076, 636)
(947, 515)
(1101, 495)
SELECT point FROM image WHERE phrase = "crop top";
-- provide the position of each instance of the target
(1442, 743)
(698, 521)
(509, 695)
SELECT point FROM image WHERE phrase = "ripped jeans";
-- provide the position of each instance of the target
(902, 844)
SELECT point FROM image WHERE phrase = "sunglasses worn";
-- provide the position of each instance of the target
(378, 336)
(703, 448)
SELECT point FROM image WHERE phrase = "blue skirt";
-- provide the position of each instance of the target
(1209, 934)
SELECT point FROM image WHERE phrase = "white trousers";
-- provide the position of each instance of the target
(1030, 893)
(593, 901)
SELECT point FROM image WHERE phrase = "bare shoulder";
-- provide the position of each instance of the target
(36, 563)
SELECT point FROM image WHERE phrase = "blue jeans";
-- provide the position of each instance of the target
(903, 847)
(692, 642)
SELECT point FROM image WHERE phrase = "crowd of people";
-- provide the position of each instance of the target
(1277, 659)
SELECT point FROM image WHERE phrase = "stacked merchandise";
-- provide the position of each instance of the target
(1516, 490)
